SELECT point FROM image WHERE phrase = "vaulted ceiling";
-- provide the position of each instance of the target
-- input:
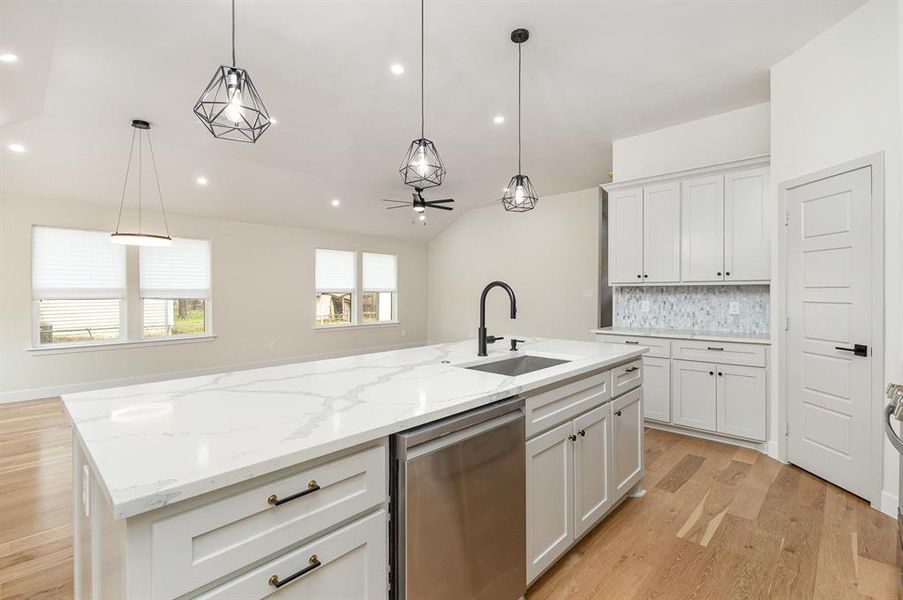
(593, 72)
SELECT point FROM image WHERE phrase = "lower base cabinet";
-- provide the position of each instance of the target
(347, 564)
(576, 472)
(657, 389)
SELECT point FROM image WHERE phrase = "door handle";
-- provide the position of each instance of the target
(857, 349)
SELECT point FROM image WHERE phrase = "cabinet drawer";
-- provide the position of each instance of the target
(557, 405)
(658, 347)
(728, 353)
(199, 545)
(351, 564)
(626, 377)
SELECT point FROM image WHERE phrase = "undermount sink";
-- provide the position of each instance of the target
(519, 365)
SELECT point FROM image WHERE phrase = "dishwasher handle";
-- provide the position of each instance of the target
(495, 413)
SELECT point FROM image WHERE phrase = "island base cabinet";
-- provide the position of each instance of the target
(592, 468)
(347, 564)
(550, 508)
(657, 389)
(627, 441)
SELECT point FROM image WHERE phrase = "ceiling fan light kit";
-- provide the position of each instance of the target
(519, 195)
(230, 107)
(140, 238)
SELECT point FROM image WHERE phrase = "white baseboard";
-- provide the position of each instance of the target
(71, 388)
(714, 437)
(889, 504)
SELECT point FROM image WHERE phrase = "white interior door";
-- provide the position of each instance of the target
(661, 233)
(625, 236)
(828, 300)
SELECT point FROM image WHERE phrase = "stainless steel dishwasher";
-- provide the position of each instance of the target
(458, 507)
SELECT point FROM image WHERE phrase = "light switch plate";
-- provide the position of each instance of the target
(587, 293)
(735, 308)
(644, 306)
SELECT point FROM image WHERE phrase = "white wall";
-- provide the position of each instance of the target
(549, 255)
(838, 98)
(720, 138)
(262, 292)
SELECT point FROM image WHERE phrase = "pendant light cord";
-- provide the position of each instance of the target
(518, 106)
(139, 183)
(233, 33)
(157, 178)
(125, 183)
(422, 100)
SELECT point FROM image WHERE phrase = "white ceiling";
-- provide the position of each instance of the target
(593, 72)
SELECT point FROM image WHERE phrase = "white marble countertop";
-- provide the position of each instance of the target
(158, 443)
(688, 334)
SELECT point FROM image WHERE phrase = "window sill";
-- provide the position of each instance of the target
(356, 326)
(115, 345)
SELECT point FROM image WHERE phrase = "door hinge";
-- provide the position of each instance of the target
(786, 218)
(787, 428)
(786, 323)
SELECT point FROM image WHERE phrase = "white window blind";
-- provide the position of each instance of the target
(74, 263)
(334, 270)
(178, 271)
(380, 272)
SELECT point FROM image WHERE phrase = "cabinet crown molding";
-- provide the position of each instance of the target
(733, 165)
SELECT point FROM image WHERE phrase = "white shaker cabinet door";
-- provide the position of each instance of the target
(741, 401)
(702, 228)
(592, 468)
(661, 233)
(657, 389)
(625, 236)
(693, 394)
(627, 441)
(746, 232)
(550, 506)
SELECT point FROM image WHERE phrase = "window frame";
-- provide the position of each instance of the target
(357, 304)
(131, 308)
(394, 292)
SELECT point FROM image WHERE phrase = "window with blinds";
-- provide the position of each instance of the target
(380, 275)
(174, 285)
(78, 286)
(335, 283)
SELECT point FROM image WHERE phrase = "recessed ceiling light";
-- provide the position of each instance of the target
(498, 119)
(17, 148)
(201, 180)
(8, 57)
(422, 217)
(335, 202)
(397, 69)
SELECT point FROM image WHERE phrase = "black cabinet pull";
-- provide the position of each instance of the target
(644, 275)
(713, 348)
(572, 437)
(618, 413)
(631, 369)
(857, 349)
(711, 372)
(719, 273)
(582, 432)
(727, 273)
(639, 276)
(312, 563)
(630, 342)
(720, 374)
(312, 486)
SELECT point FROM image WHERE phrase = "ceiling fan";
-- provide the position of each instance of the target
(419, 204)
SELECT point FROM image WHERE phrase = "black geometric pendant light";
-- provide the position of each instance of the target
(230, 107)
(138, 237)
(520, 196)
(422, 167)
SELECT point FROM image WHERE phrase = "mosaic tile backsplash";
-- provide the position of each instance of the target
(704, 307)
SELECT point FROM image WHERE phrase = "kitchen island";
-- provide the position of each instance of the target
(185, 487)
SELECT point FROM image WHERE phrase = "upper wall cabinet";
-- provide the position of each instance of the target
(702, 226)
(644, 234)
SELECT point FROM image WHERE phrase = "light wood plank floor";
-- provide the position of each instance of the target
(718, 522)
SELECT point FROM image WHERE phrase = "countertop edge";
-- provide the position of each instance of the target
(683, 335)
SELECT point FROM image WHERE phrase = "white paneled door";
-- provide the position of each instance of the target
(829, 241)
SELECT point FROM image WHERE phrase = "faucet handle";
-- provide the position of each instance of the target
(514, 343)
(491, 339)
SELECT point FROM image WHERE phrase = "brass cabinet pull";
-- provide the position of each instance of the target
(631, 369)
(312, 486)
(312, 563)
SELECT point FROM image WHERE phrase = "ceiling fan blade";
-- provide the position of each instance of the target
(399, 206)
(399, 201)
(442, 207)
(440, 201)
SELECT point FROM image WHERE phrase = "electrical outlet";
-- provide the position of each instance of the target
(644, 306)
(587, 293)
(735, 308)
(271, 345)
